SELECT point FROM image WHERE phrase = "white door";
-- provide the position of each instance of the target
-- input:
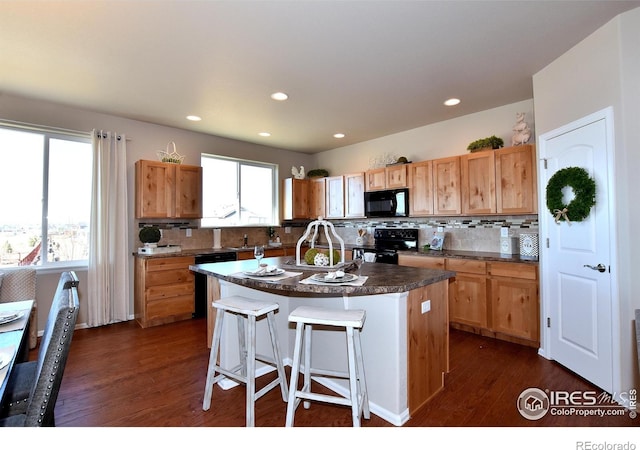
(578, 298)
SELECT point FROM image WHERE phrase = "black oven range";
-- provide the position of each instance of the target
(388, 241)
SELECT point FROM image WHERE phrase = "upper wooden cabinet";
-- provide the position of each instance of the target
(392, 177)
(396, 176)
(446, 186)
(334, 197)
(354, 194)
(516, 188)
(165, 190)
(295, 198)
(478, 183)
(317, 200)
(420, 181)
(375, 179)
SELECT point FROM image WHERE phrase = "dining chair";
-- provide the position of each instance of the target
(32, 388)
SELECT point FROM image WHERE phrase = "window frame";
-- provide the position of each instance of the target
(275, 211)
(49, 133)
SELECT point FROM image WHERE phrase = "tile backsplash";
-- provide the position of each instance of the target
(461, 233)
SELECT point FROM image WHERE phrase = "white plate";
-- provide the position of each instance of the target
(272, 273)
(323, 278)
(10, 317)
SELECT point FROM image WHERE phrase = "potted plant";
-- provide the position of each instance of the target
(150, 235)
(317, 173)
(491, 142)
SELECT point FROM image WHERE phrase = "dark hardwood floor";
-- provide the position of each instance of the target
(124, 376)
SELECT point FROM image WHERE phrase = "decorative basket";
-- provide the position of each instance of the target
(170, 155)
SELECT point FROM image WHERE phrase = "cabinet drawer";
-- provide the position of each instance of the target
(167, 307)
(166, 291)
(164, 277)
(466, 266)
(514, 270)
(427, 262)
(172, 263)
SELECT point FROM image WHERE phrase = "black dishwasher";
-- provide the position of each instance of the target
(200, 309)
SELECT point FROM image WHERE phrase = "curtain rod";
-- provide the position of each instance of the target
(43, 128)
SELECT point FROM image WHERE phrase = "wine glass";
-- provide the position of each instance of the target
(258, 252)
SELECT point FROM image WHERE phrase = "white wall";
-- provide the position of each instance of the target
(447, 138)
(601, 71)
(144, 140)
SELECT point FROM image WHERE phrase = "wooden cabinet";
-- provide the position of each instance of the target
(392, 177)
(165, 190)
(478, 183)
(295, 198)
(164, 290)
(317, 200)
(375, 179)
(354, 194)
(396, 176)
(468, 292)
(420, 182)
(516, 185)
(334, 203)
(427, 262)
(446, 186)
(496, 299)
(515, 309)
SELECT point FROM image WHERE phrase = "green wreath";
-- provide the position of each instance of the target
(584, 188)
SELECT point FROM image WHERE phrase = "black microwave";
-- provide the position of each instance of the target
(387, 203)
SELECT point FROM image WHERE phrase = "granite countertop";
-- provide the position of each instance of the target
(382, 278)
(480, 256)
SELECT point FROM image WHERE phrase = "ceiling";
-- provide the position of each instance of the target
(363, 68)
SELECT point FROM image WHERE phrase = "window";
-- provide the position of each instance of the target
(45, 196)
(238, 193)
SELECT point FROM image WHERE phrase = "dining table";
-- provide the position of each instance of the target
(14, 331)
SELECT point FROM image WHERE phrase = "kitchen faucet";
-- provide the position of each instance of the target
(245, 242)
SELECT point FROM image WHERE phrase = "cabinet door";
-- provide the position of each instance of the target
(155, 189)
(478, 183)
(396, 176)
(420, 181)
(468, 292)
(468, 300)
(516, 188)
(354, 195)
(376, 179)
(335, 197)
(317, 198)
(188, 197)
(446, 186)
(295, 199)
(514, 307)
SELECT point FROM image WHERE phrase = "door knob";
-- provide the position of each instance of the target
(599, 267)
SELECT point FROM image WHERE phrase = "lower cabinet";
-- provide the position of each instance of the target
(492, 298)
(515, 306)
(164, 290)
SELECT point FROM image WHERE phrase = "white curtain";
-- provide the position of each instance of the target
(108, 276)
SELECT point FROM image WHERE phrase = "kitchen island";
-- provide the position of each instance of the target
(405, 338)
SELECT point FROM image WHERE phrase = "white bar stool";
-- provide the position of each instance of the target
(352, 320)
(246, 311)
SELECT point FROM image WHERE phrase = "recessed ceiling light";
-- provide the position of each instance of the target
(280, 96)
(452, 101)
(264, 134)
(194, 118)
(338, 135)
